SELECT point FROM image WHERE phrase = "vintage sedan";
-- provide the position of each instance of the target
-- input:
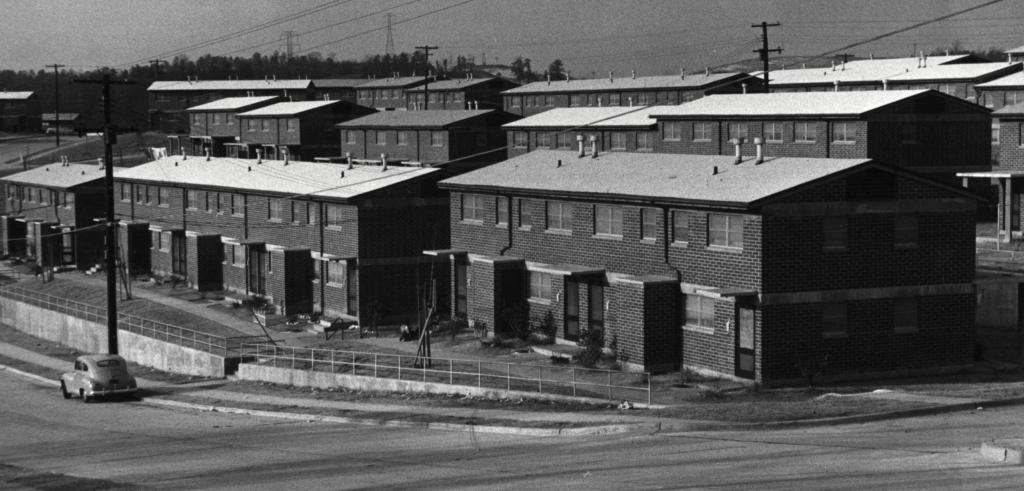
(97, 376)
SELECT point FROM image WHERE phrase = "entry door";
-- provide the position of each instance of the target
(745, 343)
(572, 311)
(257, 271)
(67, 246)
(461, 291)
(595, 308)
(178, 253)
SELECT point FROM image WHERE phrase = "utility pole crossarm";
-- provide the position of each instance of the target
(426, 72)
(763, 51)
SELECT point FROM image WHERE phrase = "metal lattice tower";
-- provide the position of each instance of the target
(290, 43)
(389, 46)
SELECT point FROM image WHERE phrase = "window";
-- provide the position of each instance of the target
(165, 241)
(274, 210)
(618, 140)
(680, 226)
(218, 118)
(906, 230)
(230, 119)
(905, 315)
(197, 119)
(835, 230)
(672, 131)
(608, 220)
(209, 201)
(163, 196)
(644, 141)
(437, 138)
(191, 199)
(334, 216)
(948, 89)
(525, 213)
(725, 230)
(549, 101)
(265, 125)
(614, 99)
(564, 140)
(292, 125)
(649, 223)
(501, 205)
(908, 134)
(544, 139)
(806, 132)
(540, 286)
(473, 207)
(250, 125)
(844, 133)
(238, 205)
(238, 255)
(833, 320)
(224, 204)
(519, 139)
(515, 101)
(701, 132)
(350, 137)
(311, 213)
(559, 216)
(577, 100)
(773, 132)
(380, 137)
(995, 133)
(336, 274)
(126, 192)
(403, 137)
(738, 130)
(700, 312)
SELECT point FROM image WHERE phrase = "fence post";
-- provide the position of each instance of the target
(508, 376)
(451, 379)
(648, 389)
(292, 353)
(423, 368)
(479, 377)
(332, 360)
(399, 367)
(312, 359)
(609, 385)
(375, 365)
(573, 382)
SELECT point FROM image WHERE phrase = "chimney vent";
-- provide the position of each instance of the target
(593, 146)
(714, 170)
(579, 141)
(250, 168)
(206, 150)
(632, 74)
(835, 86)
(342, 174)
(744, 87)
(736, 142)
(559, 164)
(259, 156)
(284, 153)
(611, 77)
(384, 161)
(885, 84)
(759, 145)
(682, 74)
(707, 71)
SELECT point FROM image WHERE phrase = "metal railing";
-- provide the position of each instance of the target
(542, 379)
(190, 338)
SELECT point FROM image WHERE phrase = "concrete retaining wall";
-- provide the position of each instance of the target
(91, 337)
(326, 380)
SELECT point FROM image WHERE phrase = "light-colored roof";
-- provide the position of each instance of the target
(63, 117)
(322, 180)
(574, 117)
(1013, 80)
(380, 83)
(231, 103)
(787, 104)
(433, 118)
(286, 108)
(268, 84)
(457, 84)
(659, 176)
(58, 176)
(1011, 110)
(15, 96)
(336, 83)
(955, 72)
(1015, 51)
(690, 81)
(857, 71)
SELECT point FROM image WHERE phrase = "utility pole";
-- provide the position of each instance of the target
(763, 51)
(109, 139)
(426, 73)
(56, 100)
(156, 68)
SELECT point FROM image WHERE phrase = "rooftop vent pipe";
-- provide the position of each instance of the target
(682, 73)
(714, 170)
(579, 141)
(611, 77)
(744, 87)
(259, 156)
(184, 156)
(284, 154)
(559, 164)
(835, 86)
(593, 146)
(206, 151)
(736, 142)
(707, 71)
(885, 84)
(99, 162)
(384, 162)
(759, 145)
(632, 74)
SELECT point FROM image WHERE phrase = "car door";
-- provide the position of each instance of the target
(78, 377)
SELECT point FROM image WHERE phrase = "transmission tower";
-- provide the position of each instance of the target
(389, 46)
(291, 43)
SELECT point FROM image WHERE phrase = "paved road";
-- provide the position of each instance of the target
(46, 441)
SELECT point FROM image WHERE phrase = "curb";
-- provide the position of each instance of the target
(37, 378)
(999, 451)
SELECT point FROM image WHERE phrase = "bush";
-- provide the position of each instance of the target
(592, 341)
(546, 326)
(516, 320)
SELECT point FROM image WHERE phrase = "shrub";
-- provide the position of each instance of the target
(592, 341)
(546, 325)
(516, 320)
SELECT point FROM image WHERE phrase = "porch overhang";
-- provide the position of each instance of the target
(726, 292)
(569, 270)
(445, 252)
(323, 256)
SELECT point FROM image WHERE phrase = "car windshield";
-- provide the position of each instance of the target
(108, 363)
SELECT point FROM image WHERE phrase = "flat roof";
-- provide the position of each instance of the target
(571, 117)
(1013, 80)
(455, 84)
(673, 177)
(287, 108)
(15, 96)
(873, 70)
(320, 180)
(63, 117)
(850, 103)
(381, 83)
(231, 103)
(267, 84)
(1011, 110)
(337, 83)
(956, 72)
(58, 176)
(689, 81)
(431, 118)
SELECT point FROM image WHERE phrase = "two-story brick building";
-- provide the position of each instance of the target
(214, 127)
(169, 100)
(611, 129)
(537, 97)
(19, 111)
(470, 138)
(747, 270)
(1004, 91)
(336, 89)
(1007, 171)
(924, 130)
(386, 94)
(49, 212)
(304, 130)
(462, 93)
(306, 236)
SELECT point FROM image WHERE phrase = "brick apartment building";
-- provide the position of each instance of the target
(304, 130)
(48, 215)
(169, 100)
(1007, 171)
(214, 127)
(1001, 92)
(386, 93)
(462, 93)
(336, 89)
(611, 129)
(925, 130)
(306, 236)
(537, 97)
(470, 137)
(19, 111)
(745, 270)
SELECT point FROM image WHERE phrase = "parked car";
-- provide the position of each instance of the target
(97, 376)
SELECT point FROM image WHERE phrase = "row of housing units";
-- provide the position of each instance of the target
(746, 235)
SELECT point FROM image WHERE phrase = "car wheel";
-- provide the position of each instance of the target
(64, 391)
(86, 399)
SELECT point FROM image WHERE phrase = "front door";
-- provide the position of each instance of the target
(745, 343)
(572, 311)
(461, 290)
(257, 271)
(178, 253)
(67, 246)
(595, 310)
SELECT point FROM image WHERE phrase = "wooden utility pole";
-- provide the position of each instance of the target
(426, 73)
(109, 139)
(763, 51)
(56, 99)
(156, 68)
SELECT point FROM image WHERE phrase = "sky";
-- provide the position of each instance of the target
(591, 37)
